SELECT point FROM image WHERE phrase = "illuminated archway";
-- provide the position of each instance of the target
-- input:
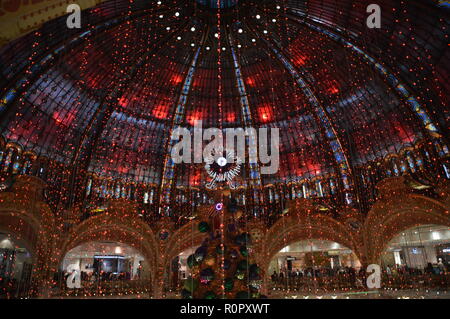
(418, 247)
(25, 215)
(16, 265)
(118, 224)
(304, 225)
(399, 209)
(105, 268)
(313, 254)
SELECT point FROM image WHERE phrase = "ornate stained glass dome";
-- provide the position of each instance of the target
(104, 98)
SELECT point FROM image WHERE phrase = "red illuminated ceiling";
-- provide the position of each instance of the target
(64, 102)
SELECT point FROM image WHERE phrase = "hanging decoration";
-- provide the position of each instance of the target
(222, 166)
(227, 269)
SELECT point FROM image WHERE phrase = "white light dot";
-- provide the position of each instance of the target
(208, 48)
(168, 28)
(239, 46)
(216, 35)
(258, 16)
(265, 31)
(192, 44)
(274, 20)
(222, 161)
(223, 49)
(178, 38)
(278, 7)
(240, 31)
(253, 40)
(177, 14)
(158, 3)
(192, 29)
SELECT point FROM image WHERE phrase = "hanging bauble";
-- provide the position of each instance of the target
(240, 275)
(243, 295)
(255, 284)
(186, 294)
(226, 192)
(195, 270)
(238, 214)
(226, 264)
(191, 261)
(255, 295)
(164, 234)
(244, 251)
(200, 253)
(234, 253)
(191, 284)
(209, 261)
(221, 249)
(229, 284)
(203, 227)
(206, 276)
(209, 295)
(243, 265)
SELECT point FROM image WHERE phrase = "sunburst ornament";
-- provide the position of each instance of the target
(222, 166)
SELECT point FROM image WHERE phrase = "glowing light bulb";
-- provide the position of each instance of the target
(221, 161)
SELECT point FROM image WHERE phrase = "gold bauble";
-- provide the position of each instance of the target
(226, 192)
(209, 261)
(238, 214)
(195, 271)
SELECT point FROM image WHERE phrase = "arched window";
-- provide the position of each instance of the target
(9, 158)
(89, 187)
(410, 160)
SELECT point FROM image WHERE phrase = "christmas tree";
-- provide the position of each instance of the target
(222, 266)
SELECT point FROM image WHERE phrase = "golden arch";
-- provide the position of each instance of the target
(291, 229)
(386, 220)
(115, 225)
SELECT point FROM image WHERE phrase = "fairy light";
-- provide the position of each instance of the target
(219, 91)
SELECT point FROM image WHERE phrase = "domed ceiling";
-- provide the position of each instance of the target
(106, 97)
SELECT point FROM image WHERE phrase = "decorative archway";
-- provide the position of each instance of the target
(304, 223)
(118, 224)
(398, 209)
(24, 214)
